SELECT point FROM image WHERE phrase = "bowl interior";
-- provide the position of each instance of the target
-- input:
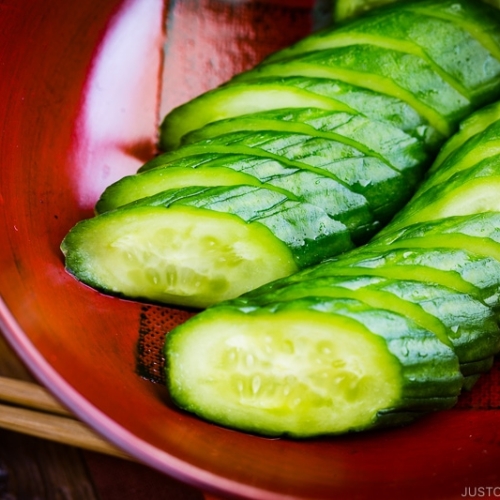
(83, 88)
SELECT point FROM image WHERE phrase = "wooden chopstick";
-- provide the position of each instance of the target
(38, 414)
(31, 395)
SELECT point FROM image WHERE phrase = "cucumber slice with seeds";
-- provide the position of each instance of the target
(455, 318)
(175, 260)
(435, 269)
(154, 254)
(247, 375)
(320, 178)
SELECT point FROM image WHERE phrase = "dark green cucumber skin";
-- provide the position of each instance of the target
(400, 150)
(471, 325)
(465, 247)
(302, 137)
(479, 76)
(450, 266)
(361, 174)
(383, 188)
(410, 73)
(373, 105)
(429, 33)
(349, 162)
(320, 140)
(483, 173)
(473, 274)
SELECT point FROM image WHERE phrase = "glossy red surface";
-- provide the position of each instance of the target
(81, 90)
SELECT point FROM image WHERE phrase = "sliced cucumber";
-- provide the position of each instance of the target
(466, 193)
(470, 127)
(478, 233)
(367, 289)
(135, 187)
(440, 41)
(295, 368)
(482, 146)
(335, 140)
(237, 99)
(382, 187)
(296, 184)
(373, 138)
(398, 74)
(479, 19)
(232, 101)
(349, 9)
(456, 318)
(153, 253)
(306, 229)
(435, 267)
(175, 260)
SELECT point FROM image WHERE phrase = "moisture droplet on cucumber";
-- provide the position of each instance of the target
(301, 158)
(375, 337)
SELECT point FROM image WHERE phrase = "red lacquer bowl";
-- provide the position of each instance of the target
(82, 87)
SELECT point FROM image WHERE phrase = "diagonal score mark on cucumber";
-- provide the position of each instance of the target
(348, 139)
(287, 360)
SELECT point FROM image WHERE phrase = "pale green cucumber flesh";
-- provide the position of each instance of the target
(293, 370)
(148, 183)
(176, 255)
(306, 229)
(296, 374)
(475, 196)
(230, 101)
(478, 148)
(471, 126)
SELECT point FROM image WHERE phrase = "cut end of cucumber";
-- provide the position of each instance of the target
(299, 374)
(179, 255)
(134, 187)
